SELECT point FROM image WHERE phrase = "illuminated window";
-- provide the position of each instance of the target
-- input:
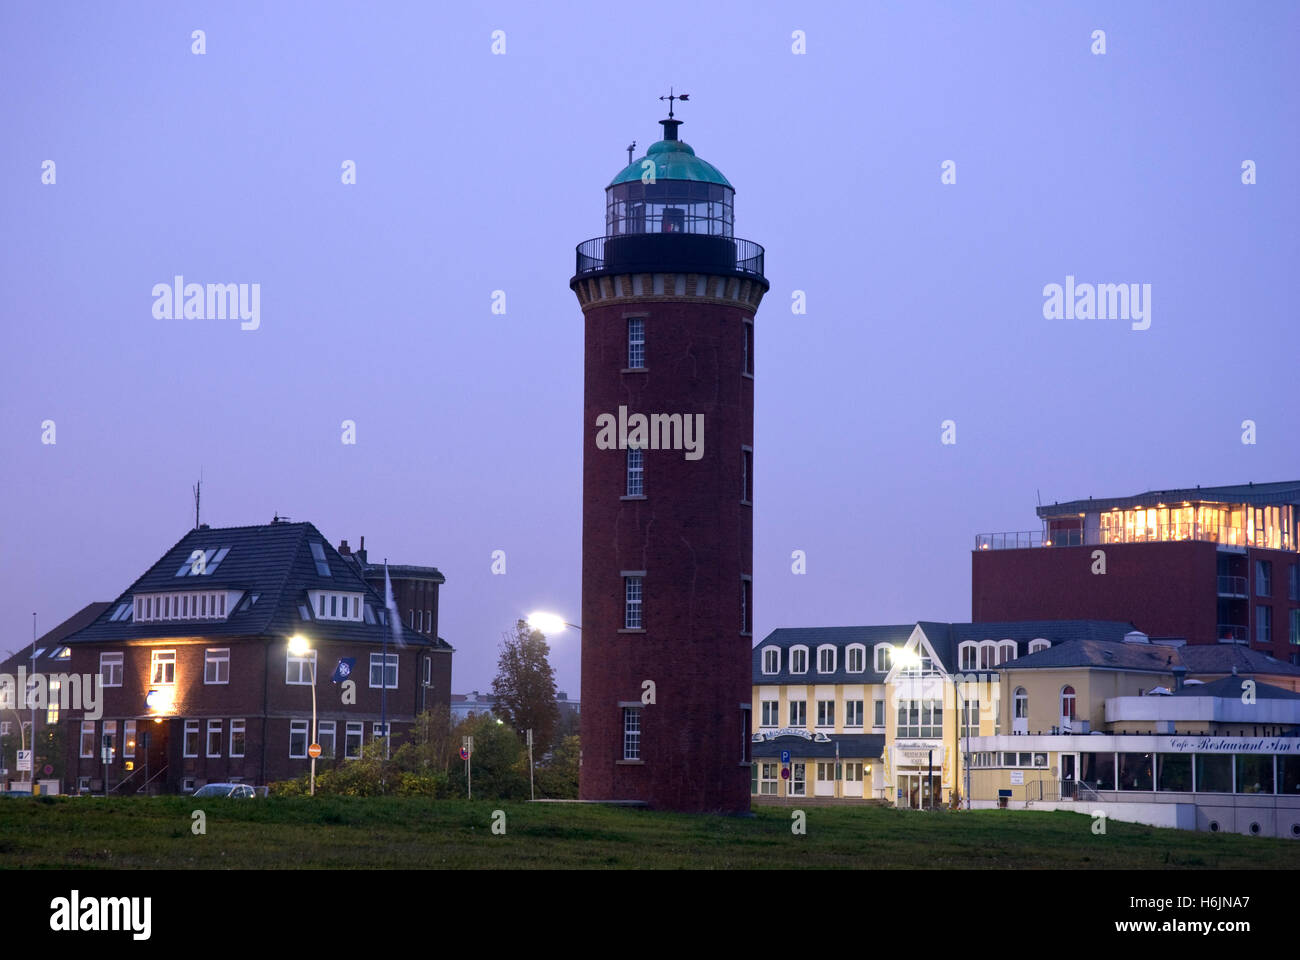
(52, 706)
(162, 667)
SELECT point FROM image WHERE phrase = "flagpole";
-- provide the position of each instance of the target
(383, 675)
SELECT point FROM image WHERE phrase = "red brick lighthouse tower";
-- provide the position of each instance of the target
(668, 296)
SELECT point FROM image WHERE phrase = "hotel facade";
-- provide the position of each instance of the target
(1087, 715)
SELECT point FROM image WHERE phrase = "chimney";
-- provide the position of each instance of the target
(344, 549)
(1180, 674)
(361, 551)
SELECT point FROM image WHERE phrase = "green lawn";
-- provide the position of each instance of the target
(414, 833)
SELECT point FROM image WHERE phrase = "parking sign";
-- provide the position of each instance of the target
(24, 760)
(785, 756)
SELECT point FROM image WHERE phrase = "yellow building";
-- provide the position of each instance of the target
(1018, 714)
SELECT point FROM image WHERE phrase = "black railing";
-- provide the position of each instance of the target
(670, 252)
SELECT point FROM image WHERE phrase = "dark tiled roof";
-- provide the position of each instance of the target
(943, 637)
(1255, 493)
(813, 637)
(1222, 657)
(1210, 658)
(51, 640)
(1231, 688)
(273, 561)
(852, 746)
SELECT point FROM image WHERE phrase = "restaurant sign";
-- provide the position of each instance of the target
(817, 737)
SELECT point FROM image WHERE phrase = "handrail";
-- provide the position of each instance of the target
(152, 779)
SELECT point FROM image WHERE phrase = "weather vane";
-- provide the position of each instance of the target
(670, 98)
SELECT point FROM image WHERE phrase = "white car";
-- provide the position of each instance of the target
(239, 791)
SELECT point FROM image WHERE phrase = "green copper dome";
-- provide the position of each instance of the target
(674, 160)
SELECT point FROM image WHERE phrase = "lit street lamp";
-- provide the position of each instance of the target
(549, 623)
(300, 647)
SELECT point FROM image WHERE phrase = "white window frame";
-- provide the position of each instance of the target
(107, 661)
(191, 726)
(634, 609)
(632, 730)
(241, 726)
(1039, 644)
(878, 710)
(87, 730)
(215, 657)
(1006, 651)
(802, 720)
(968, 655)
(306, 668)
(214, 726)
(157, 659)
(636, 340)
(772, 706)
(764, 658)
(128, 739)
(303, 727)
(799, 648)
(824, 648)
(635, 486)
(377, 660)
(1020, 696)
(767, 778)
(327, 730)
(881, 654)
(826, 714)
(861, 650)
(359, 729)
(849, 711)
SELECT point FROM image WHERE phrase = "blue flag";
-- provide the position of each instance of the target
(344, 669)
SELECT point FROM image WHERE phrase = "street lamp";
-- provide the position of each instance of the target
(549, 623)
(300, 647)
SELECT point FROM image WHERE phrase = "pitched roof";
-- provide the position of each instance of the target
(1210, 658)
(840, 637)
(50, 641)
(1231, 688)
(273, 561)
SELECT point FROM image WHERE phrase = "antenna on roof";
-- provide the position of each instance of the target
(1040, 496)
(630, 147)
(198, 491)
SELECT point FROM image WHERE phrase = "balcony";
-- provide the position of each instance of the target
(1233, 633)
(1232, 538)
(1233, 586)
(670, 253)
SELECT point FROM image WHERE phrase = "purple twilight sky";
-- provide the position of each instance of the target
(478, 172)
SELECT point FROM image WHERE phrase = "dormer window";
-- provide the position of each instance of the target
(771, 660)
(968, 655)
(1006, 651)
(826, 658)
(882, 657)
(799, 659)
(336, 606)
(318, 554)
(1039, 644)
(203, 562)
(856, 658)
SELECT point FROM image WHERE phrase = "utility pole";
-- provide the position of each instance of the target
(532, 795)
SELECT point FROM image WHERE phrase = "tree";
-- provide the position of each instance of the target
(499, 762)
(524, 687)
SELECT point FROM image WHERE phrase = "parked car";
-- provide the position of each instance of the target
(238, 791)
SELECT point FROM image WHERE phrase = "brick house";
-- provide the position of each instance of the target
(199, 683)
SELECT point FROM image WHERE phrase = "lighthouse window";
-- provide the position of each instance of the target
(635, 472)
(632, 609)
(636, 343)
(631, 733)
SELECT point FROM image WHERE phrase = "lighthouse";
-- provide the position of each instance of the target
(668, 296)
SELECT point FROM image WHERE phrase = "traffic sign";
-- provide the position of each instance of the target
(785, 773)
(313, 751)
(785, 756)
(464, 754)
(24, 760)
(48, 769)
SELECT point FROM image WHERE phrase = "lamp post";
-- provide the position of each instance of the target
(549, 622)
(299, 647)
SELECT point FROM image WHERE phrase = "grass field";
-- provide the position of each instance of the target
(338, 832)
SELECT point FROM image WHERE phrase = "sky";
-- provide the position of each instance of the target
(479, 171)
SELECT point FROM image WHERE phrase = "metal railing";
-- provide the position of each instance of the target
(1164, 533)
(669, 252)
(1230, 586)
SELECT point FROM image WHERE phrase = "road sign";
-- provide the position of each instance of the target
(785, 756)
(24, 760)
(313, 751)
(48, 769)
(464, 754)
(785, 773)
(106, 754)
